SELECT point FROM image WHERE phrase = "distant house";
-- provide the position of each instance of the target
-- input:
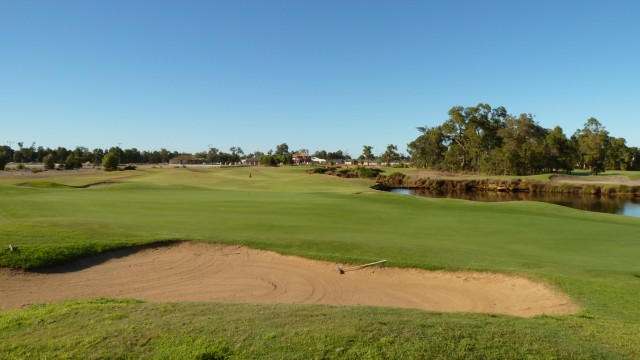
(252, 161)
(373, 162)
(317, 160)
(184, 159)
(301, 158)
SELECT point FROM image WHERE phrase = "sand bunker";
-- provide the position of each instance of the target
(206, 272)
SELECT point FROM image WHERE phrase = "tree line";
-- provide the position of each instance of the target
(480, 139)
(477, 139)
(75, 158)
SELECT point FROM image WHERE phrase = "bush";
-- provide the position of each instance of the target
(110, 162)
(369, 173)
(322, 170)
(49, 162)
(72, 162)
(20, 167)
(130, 167)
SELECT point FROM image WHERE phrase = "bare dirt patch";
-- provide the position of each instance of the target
(206, 272)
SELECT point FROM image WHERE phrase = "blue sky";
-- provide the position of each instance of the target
(314, 74)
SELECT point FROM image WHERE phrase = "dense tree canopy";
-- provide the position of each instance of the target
(482, 139)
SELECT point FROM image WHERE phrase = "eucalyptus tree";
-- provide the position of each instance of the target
(593, 140)
(428, 150)
(367, 153)
(390, 154)
(559, 152)
(470, 134)
(282, 149)
(618, 156)
(523, 142)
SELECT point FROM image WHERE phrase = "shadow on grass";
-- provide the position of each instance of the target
(100, 258)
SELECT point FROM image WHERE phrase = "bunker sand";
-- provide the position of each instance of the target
(205, 272)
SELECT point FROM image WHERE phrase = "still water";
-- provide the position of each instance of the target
(607, 204)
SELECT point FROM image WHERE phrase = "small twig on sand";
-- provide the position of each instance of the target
(342, 271)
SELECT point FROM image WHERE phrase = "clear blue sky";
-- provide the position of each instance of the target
(314, 74)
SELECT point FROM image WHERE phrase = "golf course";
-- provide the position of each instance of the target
(63, 222)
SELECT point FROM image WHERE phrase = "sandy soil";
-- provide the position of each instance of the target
(612, 179)
(206, 272)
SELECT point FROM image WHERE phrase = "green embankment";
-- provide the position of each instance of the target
(592, 257)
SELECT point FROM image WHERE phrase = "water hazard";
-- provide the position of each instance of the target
(598, 203)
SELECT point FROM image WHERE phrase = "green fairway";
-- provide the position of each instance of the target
(50, 218)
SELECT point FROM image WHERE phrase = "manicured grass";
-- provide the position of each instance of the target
(591, 256)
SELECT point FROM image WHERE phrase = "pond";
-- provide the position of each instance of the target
(608, 204)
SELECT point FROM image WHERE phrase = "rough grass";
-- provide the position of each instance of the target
(129, 329)
(592, 257)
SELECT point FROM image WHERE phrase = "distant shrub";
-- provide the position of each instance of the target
(395, 179)
(130, 167)
(49, 162)
(36, 170)
(72, 162)
(369, 173)
(323, 170)
(20, 167)
(110, 161)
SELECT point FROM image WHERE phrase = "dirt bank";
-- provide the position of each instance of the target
(205, 272)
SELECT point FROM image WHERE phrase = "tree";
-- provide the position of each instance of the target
(635, 158)
(367, 153)
(97, 156)
(336, 155)
(213, 156)
(390, 154)
(4, 159)
(427, 151)
(72, 162)
(61, 154)
(559, 154)
(164, 155)
(236, 150)
(321, 154)
(618, 156)
(282, 149)
(269, 160)
(592, 143)
(110, 161)
(522, 151)
(49, 162)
